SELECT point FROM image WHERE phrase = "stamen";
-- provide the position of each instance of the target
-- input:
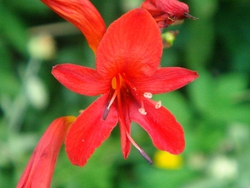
(106, 112)
(189, 16)
(112, 99)
(81, 111)
(148, 95)
(171, 19)
(158, 104)
(145, 156)
(140, 150)
(142, 111)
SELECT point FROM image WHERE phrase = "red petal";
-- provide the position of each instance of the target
(79, 79)
(38, 173)
(83, 15)
(165, 80)
(165, 132)
(89, 131)
(131, 45)
(125, 128)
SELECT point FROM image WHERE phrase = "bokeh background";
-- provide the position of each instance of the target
(214, 110)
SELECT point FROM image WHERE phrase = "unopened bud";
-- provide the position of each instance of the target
(42, 47)
(169, 38)
(37, 92)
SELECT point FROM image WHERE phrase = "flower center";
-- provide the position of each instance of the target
(121, 86)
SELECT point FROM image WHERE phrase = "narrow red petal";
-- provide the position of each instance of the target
(125, 142)
(165, 80)
(165, 132)
(89, 131)
(82, 80)
(38, 173)
(83, 15)
(131, 45)
(124, 129)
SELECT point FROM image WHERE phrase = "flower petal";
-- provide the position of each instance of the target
(131, 45)
(89, 131)
(79, 79)
(125, 128)
(165, 132)
(38, 173)
(165, 80)
(83, 15)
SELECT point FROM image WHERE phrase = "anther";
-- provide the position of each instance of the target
(106, 111)
(105, 114)
(148, 95)
(142, 111)
(171, 19)
(145, 156)
(140, 150)
(81, 111)
(187, 15)
(158, 104)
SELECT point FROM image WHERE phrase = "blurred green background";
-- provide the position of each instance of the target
(214, 110)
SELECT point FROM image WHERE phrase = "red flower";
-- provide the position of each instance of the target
(166, 12)
(83, 15)
(38, 173)
(127, 75)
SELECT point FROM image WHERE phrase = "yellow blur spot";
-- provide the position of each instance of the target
(166, 160)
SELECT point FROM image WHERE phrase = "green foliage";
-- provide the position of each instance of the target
(214, 110)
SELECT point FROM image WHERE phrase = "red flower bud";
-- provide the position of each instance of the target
(166, 12)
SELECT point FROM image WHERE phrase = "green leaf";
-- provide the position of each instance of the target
(13, 30)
